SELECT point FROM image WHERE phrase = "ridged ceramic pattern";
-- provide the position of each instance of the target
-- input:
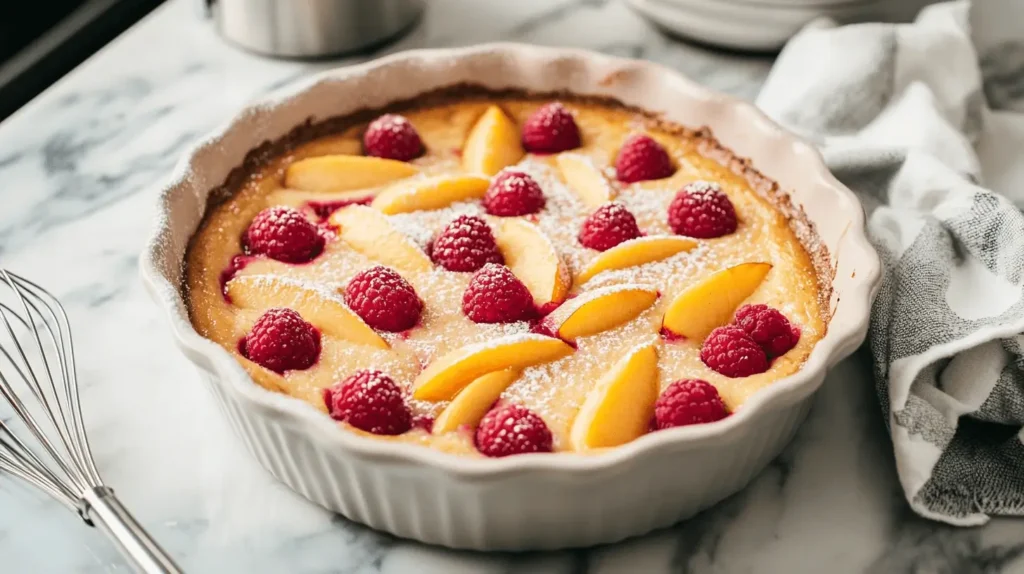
(538, 501)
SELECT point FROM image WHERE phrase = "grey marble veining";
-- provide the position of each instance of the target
(79, 168)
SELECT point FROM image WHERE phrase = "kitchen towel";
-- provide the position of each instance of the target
(906, 116)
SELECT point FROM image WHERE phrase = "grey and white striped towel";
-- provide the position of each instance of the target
(905, 118)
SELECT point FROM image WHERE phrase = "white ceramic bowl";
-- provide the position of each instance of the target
(535, 501)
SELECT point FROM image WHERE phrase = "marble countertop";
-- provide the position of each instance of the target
(79, 170)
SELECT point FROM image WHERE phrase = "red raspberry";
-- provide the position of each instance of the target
(284, 234)
(465, 244)
(512, 429)
(768, 328)
(392, 136)
(369, 400)
(513, 193)
(730, 351)
(495, 295)
(701, 210)
(641, 158)
(281, 341)
(551, 129)
(688, 402)
(384, 299)
(607, 227)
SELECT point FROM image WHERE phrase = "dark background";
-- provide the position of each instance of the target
(41, 40)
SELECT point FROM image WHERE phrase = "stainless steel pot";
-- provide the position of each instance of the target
(310, 28)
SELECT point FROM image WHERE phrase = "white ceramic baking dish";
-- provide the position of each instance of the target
(528, 501)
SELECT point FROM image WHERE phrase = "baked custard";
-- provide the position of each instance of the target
(495, 274)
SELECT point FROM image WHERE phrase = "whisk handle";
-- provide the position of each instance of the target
(102, 509)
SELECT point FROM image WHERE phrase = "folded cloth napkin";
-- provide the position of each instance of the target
(901, 116)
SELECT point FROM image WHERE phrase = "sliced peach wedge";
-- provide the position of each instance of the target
(450, 373)
(473, 402)
(531, 256)
(324, 310)
(710, 303)
(636, 252)
(330, 173)
(585, 179)
(298, 198)
(431, 193)
(369, 232)
(493, 144)
(599, 310)
(620, 407)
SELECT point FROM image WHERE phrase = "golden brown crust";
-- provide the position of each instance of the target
(707, 145)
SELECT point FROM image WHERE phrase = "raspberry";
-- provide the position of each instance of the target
(392, 136)
(465, 244)
(512, 429)
(513, 193)
(701, 210)
(607, 227)
(495, 295)
(550, 129)
(284, 234)
(768, 328)
(688, 402)
(369, 400)
(384, 299)
(730, 351)
(281, 341)
(641, 158)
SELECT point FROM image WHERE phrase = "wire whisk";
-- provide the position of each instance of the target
(39, 383)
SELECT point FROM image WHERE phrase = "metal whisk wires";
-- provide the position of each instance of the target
(39, 383)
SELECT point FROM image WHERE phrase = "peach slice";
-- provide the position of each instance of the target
(449, 374)
(493, 144)
(345, 172)
(323, 309)
(473, 402)
(531, 256)
(599, 310)
(584, 178)
(298, 198)
(432, 193)
(369, 232)
(636, 252)
(711, 302)
(620, 407)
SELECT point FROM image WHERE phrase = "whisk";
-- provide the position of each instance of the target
(38, 381)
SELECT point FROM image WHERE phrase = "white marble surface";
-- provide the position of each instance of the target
(79, 168)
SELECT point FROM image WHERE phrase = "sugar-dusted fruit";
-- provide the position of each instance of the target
(465, 244)
(688, 402)
(642, 158)
(450, 373)
(711, 302)
(768, 327)
(551, 129)
(384, 299)
(620, 406)
(496, 295)
(370, 232)
(585, 179)
(332, 173)
(431, 193)
(608, 226)
(284, 234)
(281, 340)
(531, 256)
(321, 308)
(595, 311)
(492, 144)
(701, 209)
(371, 401)
(392, 136)
(635, 252)
(473, 402)
(512, 193)
(512, 429)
